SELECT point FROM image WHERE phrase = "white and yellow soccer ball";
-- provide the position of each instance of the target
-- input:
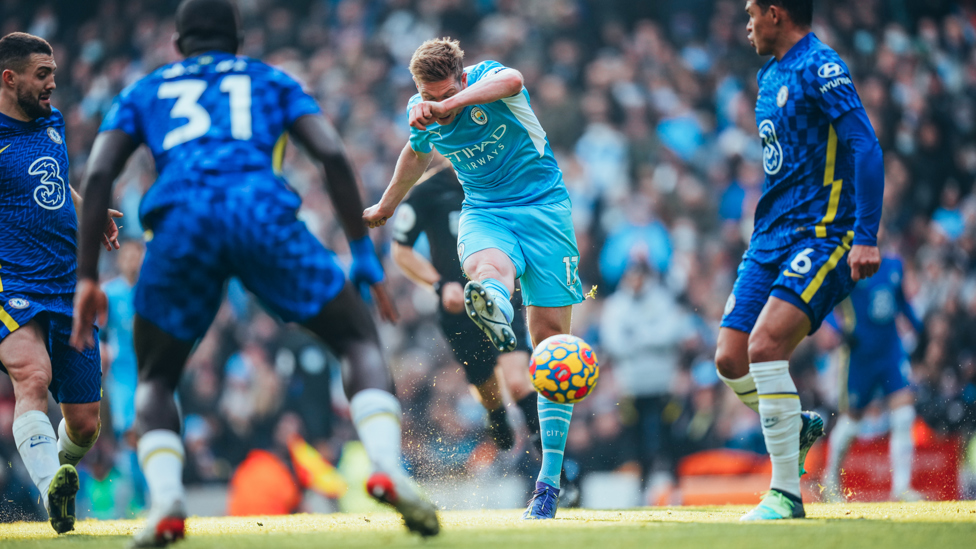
(564, 369)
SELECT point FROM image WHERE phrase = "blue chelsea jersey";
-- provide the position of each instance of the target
(875, 304)
(499, 150)
(809, 187)
(38, 223)
(210, 115)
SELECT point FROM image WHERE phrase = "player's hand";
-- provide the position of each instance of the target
(452, 297)
(377, 215)
(366, 274)
(110, 238)
(423, 114)
(864, 261)
(90, 304)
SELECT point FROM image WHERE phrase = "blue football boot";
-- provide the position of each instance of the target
(543, 502)
(776, 505)
(811, 429)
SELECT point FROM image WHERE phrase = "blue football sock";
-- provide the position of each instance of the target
(499, 294)
(554, 426)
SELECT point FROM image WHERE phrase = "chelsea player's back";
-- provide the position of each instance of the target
(37, 243)
(208, 116)
(809, 187)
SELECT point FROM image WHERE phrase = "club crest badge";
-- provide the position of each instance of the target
(782, 96)
(19, 303)
(478, 116)
(54, 135)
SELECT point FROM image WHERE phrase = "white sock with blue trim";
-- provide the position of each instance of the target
(500, 296)
(376, 415)
(744, 388)
(554, 421)
(68, 450)
(902, 448)
(161, 457)
(779, 410)
(38, 447)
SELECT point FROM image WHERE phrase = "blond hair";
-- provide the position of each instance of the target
(437, 59)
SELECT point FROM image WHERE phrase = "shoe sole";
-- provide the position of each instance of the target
(419, 516)
(482, 312)
(61, 499)
(810, 431)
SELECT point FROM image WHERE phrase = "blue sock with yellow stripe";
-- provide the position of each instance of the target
(779, 410)
(554, 427)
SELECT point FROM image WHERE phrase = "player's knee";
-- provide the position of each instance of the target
(84, 428)
(729, 365)
(33, 384)
(764, 347)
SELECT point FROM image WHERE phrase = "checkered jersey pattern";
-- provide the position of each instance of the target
(37, 217)
(211, 114)
(247, 232)
(809, 173)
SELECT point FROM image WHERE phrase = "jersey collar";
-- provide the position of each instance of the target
(14, 123)
(797, 49)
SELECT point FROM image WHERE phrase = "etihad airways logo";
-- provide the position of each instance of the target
(475, 156)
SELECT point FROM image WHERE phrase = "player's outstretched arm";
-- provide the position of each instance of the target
(108, 156)
(409, 168)
(854, 130)
(504, 83)
(322, 142)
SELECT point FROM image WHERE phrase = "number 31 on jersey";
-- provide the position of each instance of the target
(187, 94)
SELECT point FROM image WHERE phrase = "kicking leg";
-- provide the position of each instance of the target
(25, 355)
(161, 358)
(780, 328)
(345, 324)
(554, 418)
(487, 297)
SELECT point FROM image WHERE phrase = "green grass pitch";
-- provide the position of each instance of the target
(941, 525)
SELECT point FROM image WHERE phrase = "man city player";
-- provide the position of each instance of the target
(37, 279)
(815, 232)
(215, 124)
(516, 219)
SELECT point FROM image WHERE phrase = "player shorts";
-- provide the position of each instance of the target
(540, 241)
(193, 248)
(870, 377)
(813, 275)
(76, 378)
(472, 348)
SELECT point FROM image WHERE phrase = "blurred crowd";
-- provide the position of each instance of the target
(648, 107)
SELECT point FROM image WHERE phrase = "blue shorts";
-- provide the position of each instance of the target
(76, 378)
(870, 377)
(813, 275)
(193, 248)
(540, 241)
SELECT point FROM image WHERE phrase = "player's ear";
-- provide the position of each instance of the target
(176, 43)
(464, 80)
(9, 77)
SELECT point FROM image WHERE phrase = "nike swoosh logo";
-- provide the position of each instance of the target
(5, 148)
(794, 275)
(33, 444)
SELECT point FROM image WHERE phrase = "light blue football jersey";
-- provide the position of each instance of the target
(499, 150)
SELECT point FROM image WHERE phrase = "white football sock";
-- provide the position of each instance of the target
(744, 388)
(779, 410)
(840, 442)
(376, 415)
(68, 451)
(902, 448)
(161, 457)
(38, 447)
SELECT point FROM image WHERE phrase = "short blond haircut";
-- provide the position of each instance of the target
(436, 60)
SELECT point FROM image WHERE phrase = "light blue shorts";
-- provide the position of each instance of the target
(540, 241)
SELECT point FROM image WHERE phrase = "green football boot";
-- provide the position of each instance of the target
(61, 499)
(776, 505)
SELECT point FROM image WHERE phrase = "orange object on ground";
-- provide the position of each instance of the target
(262, 485)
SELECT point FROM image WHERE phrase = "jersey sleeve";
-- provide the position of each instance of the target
(483, 69)
(406, 222)
(827, 81)
(295, 101)
(419, 139)
(124, 114)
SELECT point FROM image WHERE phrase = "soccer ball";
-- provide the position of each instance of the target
(564, 369)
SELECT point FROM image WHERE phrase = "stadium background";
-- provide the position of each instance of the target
(649, 109)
